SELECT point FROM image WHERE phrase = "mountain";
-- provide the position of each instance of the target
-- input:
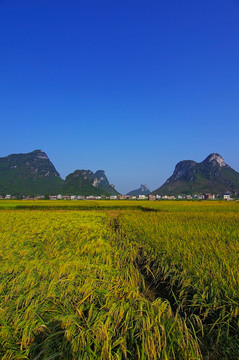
(28, 174)
(143, 190)
(85, 182)
(102, 182)
(33, 173)
(212, 175)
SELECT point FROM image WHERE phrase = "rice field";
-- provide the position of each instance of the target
(119, 280)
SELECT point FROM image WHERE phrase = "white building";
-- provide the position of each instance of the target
(142, 197)
(227, 196)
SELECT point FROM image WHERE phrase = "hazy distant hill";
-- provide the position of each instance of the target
(212, 175)
(143, 190)
(28, 174)
(85, 182)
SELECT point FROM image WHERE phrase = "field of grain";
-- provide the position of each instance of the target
(119, 280)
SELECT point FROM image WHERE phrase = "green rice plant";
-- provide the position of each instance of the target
(71, 289)
(193, 255)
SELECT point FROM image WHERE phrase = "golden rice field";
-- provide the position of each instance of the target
(119, 280)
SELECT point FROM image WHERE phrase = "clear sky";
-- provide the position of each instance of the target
(131, 87)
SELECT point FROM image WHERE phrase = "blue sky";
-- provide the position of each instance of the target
(131, 87)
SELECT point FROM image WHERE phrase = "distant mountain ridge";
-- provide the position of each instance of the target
(212, 175)
(33, 173)
(143, 190)
(85, 182)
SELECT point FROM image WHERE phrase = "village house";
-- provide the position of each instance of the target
(66, 197)
(53, 197)
(142, 197)
(227, 196)
(152, 197)
(209, 196)
(39, 197)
